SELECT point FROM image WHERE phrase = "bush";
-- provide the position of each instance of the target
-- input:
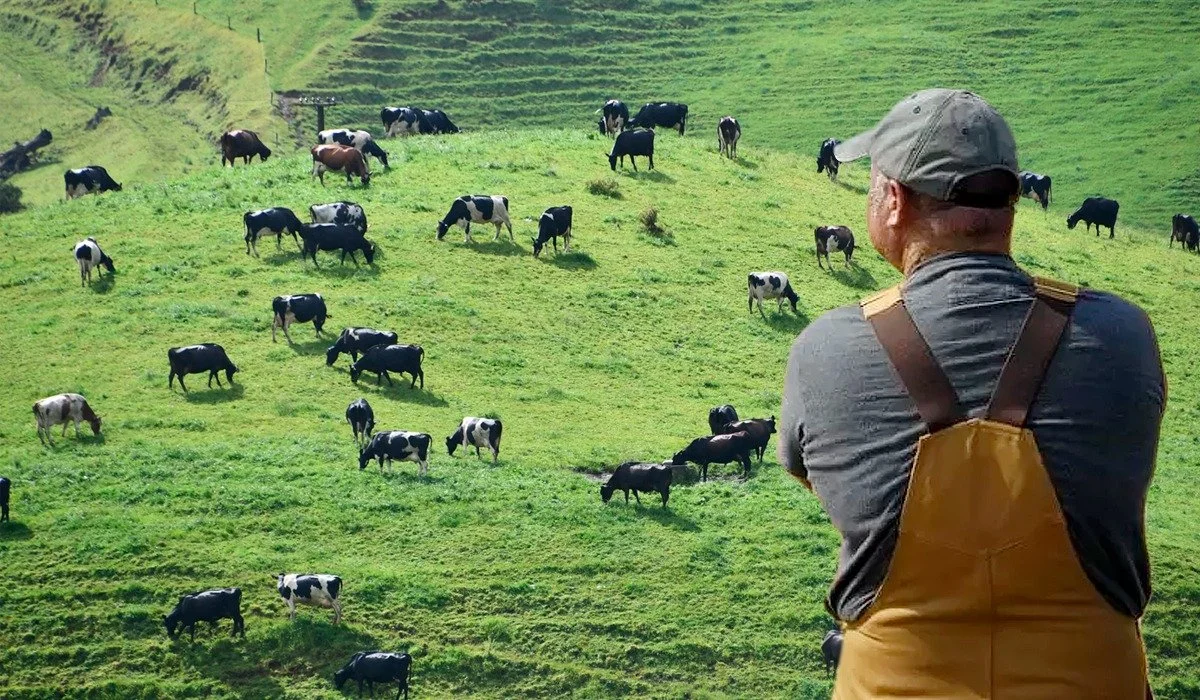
(649, 219)
(606, 187)
(10, 198)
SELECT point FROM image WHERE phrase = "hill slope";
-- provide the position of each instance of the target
(502, 581)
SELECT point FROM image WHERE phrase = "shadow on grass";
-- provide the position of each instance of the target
(856, 277)
(282, 256)
(317, 346)
(573, 261)
(215, 394)
(399, 474)
(787, 321)
(500, 247)
(403, 391)
(14, 531)
(347, 270)
(668, 517)
(746, 163)
(105, 283)
(651, 175)
(853, 188)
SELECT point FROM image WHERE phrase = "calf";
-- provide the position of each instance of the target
(359, 140)
(335, 237)
(340, 159)
(1096, 210)
(717, 449)
(477, 432)
(398, 445)
(770, 285)
(89, 180)
(668, 115)
(1185, 230)
(833, 238)
(62, 410)
(382, 359)
(206, 606)
(264, 222)
(243, 144)
(5, 488)
(345, 213)
(355, 340)
(374, 667)
(831, 650)
(555, 222)
(298, 308)
(1036, 187)
(361, 419)
(89, 255)
(476, 209)
(826, 160)
(639, 142)
(718, 416)
(760, 431)
(616, 115)
(728, 133)
(311, 589)
(635, 476)
(194, 359)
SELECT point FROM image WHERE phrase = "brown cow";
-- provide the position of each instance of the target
(340, 158)
(243, 144)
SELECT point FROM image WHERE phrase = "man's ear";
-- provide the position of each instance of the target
(898, 203)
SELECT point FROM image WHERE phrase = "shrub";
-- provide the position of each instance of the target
(10, 198)
(606, 187)
(649, 219)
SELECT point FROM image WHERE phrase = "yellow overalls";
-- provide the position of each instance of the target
(984, 597)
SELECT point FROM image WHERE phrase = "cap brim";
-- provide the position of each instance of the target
(855, 147)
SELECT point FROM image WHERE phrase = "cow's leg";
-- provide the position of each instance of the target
(337, 611)
(652, 159)
(498, 227)
(750, 303)
(760, 311)
(388, 377)
(291, 608)
(626, 495)
(285, 331)
(181, 386)
(704, 466)
(76, 428)
(636, 497)
(274, 325)
(510, 233)
(633, 162)
(477, 454)
(65, 425)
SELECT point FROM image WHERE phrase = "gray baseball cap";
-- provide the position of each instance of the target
(933, 139)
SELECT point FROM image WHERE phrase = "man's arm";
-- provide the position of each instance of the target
(789, 447)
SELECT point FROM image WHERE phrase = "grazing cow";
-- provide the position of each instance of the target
(206, 606)
(718, 416)
(359, 140)
(834, 238)
(243, 144)
(89, 255)
(311, 589)
(92, 179)
(770, 285)
(476, 209)
(760, 431)
(717, 449)
(361, 419)
(616, 116)
(63, 409)
(636, 476)
(374, 667)
(355, 340)
(298, 308)
(435, 121)
(400, 120)
(831, 650)
(555, 222)
(1185, 230)
(477, 432)
(1100, 211)
(668, 115)
(345, 213)
(194, 359)
(5, 489)
(340, 159)
(335, 237)
(382, 359)
(826, 160)
(1036, 187)
(728, 133)
(639, 142)
(264, 222)
(398, 445)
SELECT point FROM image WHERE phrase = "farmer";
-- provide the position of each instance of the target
(983, 440)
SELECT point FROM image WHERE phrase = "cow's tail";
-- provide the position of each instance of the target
(499, 431)
(599, 111)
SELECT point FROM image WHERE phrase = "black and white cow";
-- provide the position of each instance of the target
(373, 667)
(88, 255)
(1036, 187)
(383, 359)
(194, 359)
(435, 121)
(361, 419)
(477, 433)
(399, 445)
(831, 239)
(639, 142)
(637, 476)
(728, 133)
(264, 222)
(357, 139)
(206, 606)
(1100, 211)
(616, 116)
(668, 115)
(297, 308)
(826, 160)
(400, 120)
(831, 650)
(476, 209)
(770, 285)
(321, 590)
(89, 180)
(719, 416)
(1185, 230)
(555, 222)
(5, 490)
(345, 213)
(347, 239)
(352, 341)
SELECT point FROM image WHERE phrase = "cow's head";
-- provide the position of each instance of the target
(612, 161)
(116, 186)
(452, 444)
(537, 246)
(1072, 220)
(365, 178)
(263, 153)
(606, 491)
(171, 622)
(229, 371)
(771, 425)
(107, 262)
(369, 251)
(342, 675)
(442, 228)
(679, 458)
(363, 458)
(95, 423)
(355, 372)
(331, 355)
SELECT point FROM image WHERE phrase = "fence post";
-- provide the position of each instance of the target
(258, 34)
(228, 22)
(194, 8)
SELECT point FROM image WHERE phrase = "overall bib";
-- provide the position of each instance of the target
(985, 597)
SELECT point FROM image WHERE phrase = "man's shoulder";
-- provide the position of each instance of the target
(1109, 316)
(837, 328)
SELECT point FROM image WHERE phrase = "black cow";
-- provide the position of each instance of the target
(374, 667)
(719, 416)
(833, 238)
(298, 308)
(5, 489)
(264, 222)
(359, 140)
(728, 134)
(476, 209)
(361, 419)
(382, 359)
(89, 180)
(398, 445)
(1100, 211)
(639, 142)
(668, 115)
(760, 431)
(615, 119)
(345, 213)
(555, 222)
(194, 359)
(243, 144)
(206, 606)
(335, 237)
(826, 160)
(477, 433)
(831, 650)
(355, 340)
(1036, 187)
(637, 476)
(435, 121)
(1185, 230)
(717, 449)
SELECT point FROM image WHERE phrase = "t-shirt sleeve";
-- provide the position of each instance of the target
(791, 432)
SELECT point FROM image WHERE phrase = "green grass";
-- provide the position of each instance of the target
(505, 581)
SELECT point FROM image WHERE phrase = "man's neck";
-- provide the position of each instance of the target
(918, 252)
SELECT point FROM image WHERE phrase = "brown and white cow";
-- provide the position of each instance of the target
(243, 144)
(340, 158)
(61, 410)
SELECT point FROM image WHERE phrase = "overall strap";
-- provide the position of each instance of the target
(923, 378)
(1026, 365)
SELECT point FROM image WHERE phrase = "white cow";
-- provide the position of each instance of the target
(89, 255)
(770, 285)
(476, 209)
(321, 590)
(63, 409)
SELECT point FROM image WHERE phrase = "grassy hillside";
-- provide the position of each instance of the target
(502, 581)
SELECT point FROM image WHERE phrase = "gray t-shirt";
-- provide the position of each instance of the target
(850, 428)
